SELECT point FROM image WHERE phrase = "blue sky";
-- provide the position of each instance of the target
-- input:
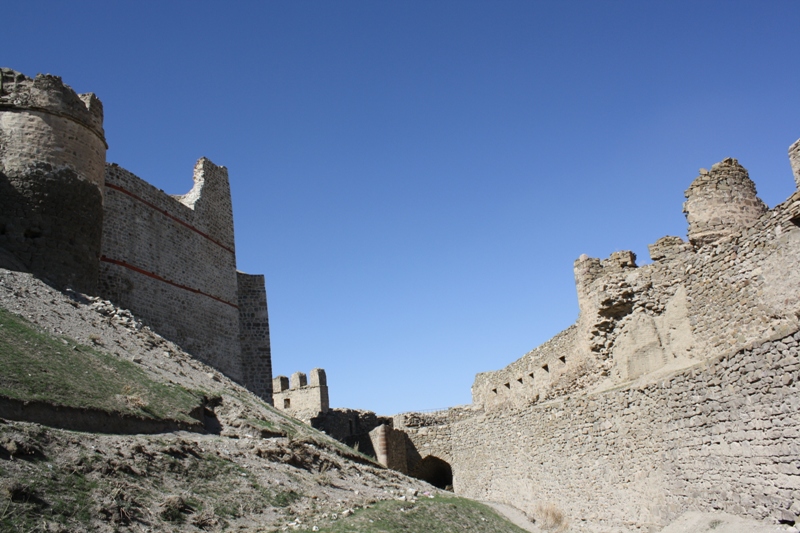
(415, 179)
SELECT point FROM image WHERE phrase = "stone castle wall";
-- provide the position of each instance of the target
(254, 334)
(719, 436)
(76, 222)
(689, 304)
(675, 390)
(52, 154)
(300, 397)
(162, 260)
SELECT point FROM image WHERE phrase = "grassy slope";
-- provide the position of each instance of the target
(435, 515)
(63, 481)
(37, 366)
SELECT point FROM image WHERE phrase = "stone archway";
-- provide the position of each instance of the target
(435, 471)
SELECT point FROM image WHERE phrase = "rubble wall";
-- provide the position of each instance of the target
(723, 435)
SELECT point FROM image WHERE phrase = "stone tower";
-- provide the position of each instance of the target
(721, 202)
(52, 159)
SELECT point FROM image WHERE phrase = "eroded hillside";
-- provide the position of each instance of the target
(169, 444)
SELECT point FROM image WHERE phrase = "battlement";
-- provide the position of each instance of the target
(300, 396)
(48, 94)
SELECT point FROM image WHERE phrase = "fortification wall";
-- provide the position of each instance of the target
(76, 222)
(351, 426)
(717, 436)
(679, 386)
(52, 153)
(299, 397)
(173, 264)
(254, 334)
(691, 303)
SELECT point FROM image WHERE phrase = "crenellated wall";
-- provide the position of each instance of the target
(302, 398)
(724, 435)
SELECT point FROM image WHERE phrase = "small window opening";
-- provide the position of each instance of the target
(287, 403)
(350, 424)
(520, 380)
(563, 359)
(795, 221)
(531, 376)
(546, 368)
(494, 391)
(507, 385)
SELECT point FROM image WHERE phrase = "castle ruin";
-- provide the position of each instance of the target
(675, 390)
(81, 223)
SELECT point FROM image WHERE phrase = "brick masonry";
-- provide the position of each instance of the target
(162, 260)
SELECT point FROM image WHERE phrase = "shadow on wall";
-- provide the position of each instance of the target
(397, 451)
(50, 221)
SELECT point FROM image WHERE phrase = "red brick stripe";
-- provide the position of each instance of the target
(166, 214)
(159, 278)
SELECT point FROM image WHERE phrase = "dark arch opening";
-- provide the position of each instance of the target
(436, 472)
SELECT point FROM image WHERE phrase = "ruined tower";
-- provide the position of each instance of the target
(721, 202)
(52, 157)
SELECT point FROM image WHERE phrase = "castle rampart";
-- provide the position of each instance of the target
(678, 389)
(167, 264)
(52, 154)
(99, 229)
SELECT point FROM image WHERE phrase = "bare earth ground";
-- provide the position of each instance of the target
(261, 471)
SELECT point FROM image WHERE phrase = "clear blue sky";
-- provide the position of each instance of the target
(415, 179)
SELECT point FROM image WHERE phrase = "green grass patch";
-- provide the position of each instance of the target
(436, 515)
(38, 366)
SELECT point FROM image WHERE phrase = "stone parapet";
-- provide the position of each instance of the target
(300, 399)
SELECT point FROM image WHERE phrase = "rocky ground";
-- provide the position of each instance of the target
(253, 469)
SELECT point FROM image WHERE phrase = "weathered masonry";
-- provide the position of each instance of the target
(676, 389)
(299, 397)
(78, 222)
